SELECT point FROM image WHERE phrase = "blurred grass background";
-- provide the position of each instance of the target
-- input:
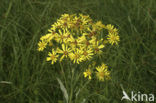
(133, 63)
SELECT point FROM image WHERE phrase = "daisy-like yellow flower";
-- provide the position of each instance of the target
(55, 26)
(47, 38)
(67, 36)
(65, 17)
(111, 29)
(113, 38)
(104, 66)
(92, 33)
(93, 40)
(87, 53)
(102, 73)
(64, 22)
(73, 42)
(65, 51)
(76, 56)
(52, 56)
(52, 32)
(76, 22)
(83, 41)
(97, 47)
(85, 19)
(41, 45)
(87, 73)
(60, 38)
(98, 26)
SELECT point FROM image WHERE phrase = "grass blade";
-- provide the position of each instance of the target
(63, 89)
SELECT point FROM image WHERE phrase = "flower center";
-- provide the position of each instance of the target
(65, 53)
(92, 34)
(77, 56)
(101, 74)
(88, 72)
(62, 37)
(75, 42)
(96, 49)
(113, 38)
(65, 24)
(53, 33)
(87, 43)
(42, 45)
(85, 53)
(53, 57)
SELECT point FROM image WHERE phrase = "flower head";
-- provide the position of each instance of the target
(102, 72)
(87, 73)
(78, 38)
(76, 56)
(113, 38)
(97, 47)
(87, 53)
(60, 38)
(64, 51)
(41, 45)
(52, 56)
(111, 29)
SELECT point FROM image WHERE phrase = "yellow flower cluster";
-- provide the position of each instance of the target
(77, 38)
(102, 72)
(113, 37)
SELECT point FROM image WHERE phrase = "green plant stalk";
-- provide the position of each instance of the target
(71, 85)
(63, 75)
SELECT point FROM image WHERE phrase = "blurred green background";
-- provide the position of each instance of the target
(23, 22)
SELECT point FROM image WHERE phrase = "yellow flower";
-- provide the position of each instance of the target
(73, 42)
(61, 36)
(113, 38)
(98, 26)
(76, 23)
(102, 73)
(64, 23)
(83, 41)
(65, 51)
(87, 53)
(65, 17)
(87, 73)
(85, 19)
(111, 29)
(67, 36)
(47, 38)
(54, 26)
(41, 45)
(76, 56)
(97, 47)
(104, 66)
(92, 33)
(93, 41)
(52, 56)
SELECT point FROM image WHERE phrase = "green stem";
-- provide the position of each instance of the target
(71, 85)
(63, 75)
(82, 88)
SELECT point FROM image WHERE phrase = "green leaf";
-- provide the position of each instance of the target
(63, 89)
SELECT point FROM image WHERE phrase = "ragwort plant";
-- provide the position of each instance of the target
(74, 39)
